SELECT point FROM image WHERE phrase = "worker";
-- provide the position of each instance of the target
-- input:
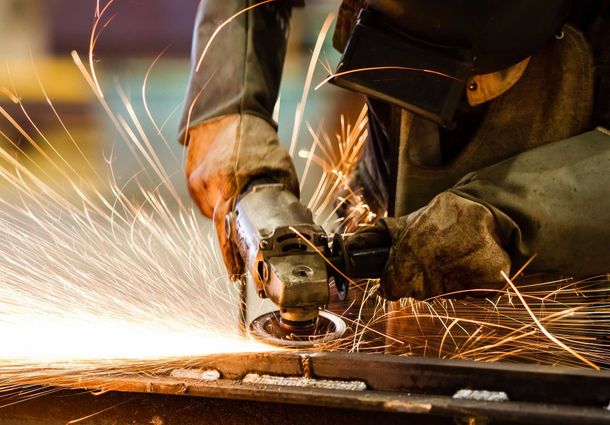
(520, 168)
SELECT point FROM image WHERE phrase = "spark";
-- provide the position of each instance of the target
(81, 337)
(114, 406)
(93, 274)
(385, 68)
(486, 330)
(298, 117)
(158, 129)
(93, 40)
(543, 329)
(224, 24)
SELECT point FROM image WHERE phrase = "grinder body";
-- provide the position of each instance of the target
(269, 225)
(292, 264)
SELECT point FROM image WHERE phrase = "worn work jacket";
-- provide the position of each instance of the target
(552, 202)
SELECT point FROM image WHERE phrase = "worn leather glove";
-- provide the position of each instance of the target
(450, 245)
(224, 155)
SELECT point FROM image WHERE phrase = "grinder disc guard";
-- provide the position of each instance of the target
(267, 328)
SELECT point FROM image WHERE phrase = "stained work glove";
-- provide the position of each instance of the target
(551, 201)
(450, 245)
(224, 155)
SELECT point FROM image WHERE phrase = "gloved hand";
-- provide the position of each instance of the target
(224, 155)
(450, 245)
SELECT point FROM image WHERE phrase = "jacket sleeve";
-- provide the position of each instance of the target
(551, 201)
(242, 67)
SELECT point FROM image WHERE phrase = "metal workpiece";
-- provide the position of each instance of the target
(317, 387)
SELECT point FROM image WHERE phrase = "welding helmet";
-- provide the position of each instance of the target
(420, 54)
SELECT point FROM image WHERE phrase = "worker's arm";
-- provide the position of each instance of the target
(551, 201)
(227, 121)
(241, 70)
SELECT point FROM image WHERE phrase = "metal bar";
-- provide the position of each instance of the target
(426, 375)
(402, 386)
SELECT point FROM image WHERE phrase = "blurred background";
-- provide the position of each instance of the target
(38, 36)
(36, 41)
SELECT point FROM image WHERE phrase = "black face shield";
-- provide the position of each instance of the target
(420, 54)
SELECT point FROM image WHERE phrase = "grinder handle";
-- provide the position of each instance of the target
(367, 263)
(362, 263)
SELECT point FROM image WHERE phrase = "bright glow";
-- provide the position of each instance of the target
(37, 339)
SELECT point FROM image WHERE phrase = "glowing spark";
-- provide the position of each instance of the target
(89, 337)
(542, 328)
(298, 117)
(320, 253)
(146, 107)
(525, 266)
(92, 42)
(221, 26)
(382, 68)
(75, 421)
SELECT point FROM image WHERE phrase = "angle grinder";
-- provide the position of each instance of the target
(293, 263)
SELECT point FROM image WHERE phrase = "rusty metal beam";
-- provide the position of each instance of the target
(362, 386)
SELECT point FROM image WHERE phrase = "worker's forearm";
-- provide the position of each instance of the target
(241, 67)
(551, 201)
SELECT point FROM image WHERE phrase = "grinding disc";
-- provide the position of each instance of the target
(267, 328)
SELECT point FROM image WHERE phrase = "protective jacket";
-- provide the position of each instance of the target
(531, 157)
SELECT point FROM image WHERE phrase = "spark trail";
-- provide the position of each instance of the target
(90, 272)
